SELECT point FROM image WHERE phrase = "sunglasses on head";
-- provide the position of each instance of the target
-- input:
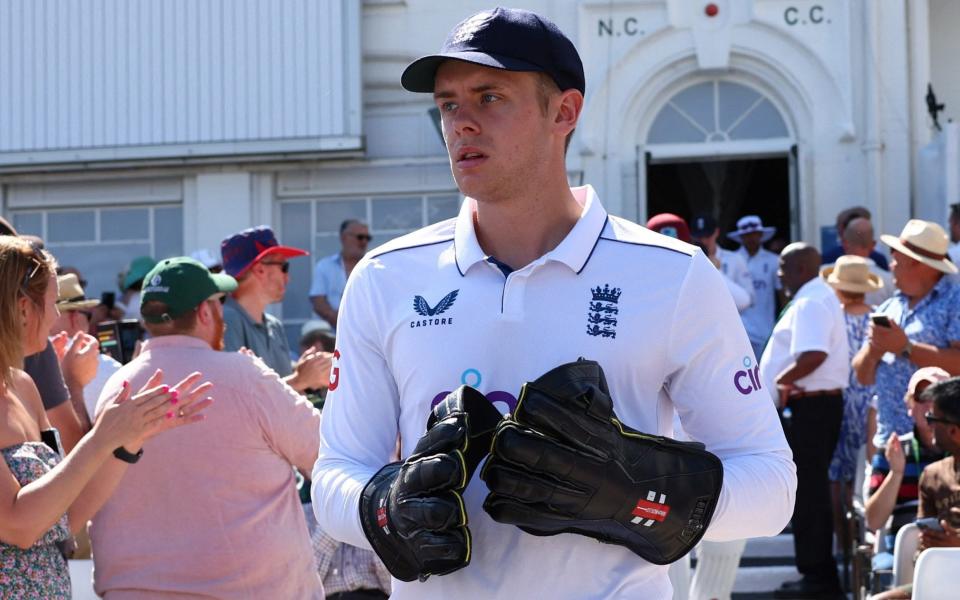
(284, 266)
(36, 257)
(932, 418)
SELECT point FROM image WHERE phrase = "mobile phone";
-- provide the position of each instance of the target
(906, 442)
(930, 524)
(119, 338)
(880, 320)
(109, 339)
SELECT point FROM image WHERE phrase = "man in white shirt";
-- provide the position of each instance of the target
(805, 366)
(531, 275)
(759, 318)
(330, 274)
(704, 231)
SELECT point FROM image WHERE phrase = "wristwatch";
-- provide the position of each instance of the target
(907, 350)
(127, 457)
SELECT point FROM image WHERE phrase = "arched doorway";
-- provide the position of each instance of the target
(722, 147)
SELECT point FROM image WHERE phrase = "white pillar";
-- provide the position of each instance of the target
(216, 205)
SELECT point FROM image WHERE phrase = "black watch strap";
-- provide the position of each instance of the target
(127, 457)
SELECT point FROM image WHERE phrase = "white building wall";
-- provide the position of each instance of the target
(183, 92)
(115, 79)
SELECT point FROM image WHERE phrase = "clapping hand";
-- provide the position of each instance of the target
(312, 370)
(129, 421)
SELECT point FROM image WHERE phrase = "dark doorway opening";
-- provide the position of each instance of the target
(728, 189)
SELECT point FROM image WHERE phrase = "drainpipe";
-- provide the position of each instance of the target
(872, 145)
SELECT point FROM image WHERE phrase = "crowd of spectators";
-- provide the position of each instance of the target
(854, 350)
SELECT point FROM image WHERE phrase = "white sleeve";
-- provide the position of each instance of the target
(359, 430)
(709, 353)
(741, 299)
(742, 276)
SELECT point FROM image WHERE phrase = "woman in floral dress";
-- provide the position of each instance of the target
(44, 497)
(851, 279)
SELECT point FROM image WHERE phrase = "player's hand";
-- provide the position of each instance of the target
(887, 339)
(894, 454)
(412, 512)
(563, 462)
(80, 361)
(130, 420)
(312, 371)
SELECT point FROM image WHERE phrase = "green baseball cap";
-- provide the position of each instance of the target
(182, 283)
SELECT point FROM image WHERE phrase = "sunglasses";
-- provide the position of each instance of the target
(284, 266)
(36, 256)
(363, 237)
(932, 418)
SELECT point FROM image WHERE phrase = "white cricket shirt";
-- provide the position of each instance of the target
(735, 269)
(813, 322)
(427, 312)
(758, 320)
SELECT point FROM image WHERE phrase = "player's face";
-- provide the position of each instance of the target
(494, 126)
(751, 241)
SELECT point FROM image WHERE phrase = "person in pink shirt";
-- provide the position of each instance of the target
(213, 512)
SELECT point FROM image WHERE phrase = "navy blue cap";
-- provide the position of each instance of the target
(703, 226)
(241, 250)
(503, 38)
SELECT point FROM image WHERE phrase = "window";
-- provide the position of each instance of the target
(101, 242)
(315, 226)
(717, 111)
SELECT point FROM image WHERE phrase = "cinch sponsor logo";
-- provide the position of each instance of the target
(748, 379)
(505, 402)
(335, 372)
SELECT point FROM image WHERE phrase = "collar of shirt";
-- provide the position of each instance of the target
(170, 341)
(232, 302)
(814, 287)
(942, 286)
(573, 251)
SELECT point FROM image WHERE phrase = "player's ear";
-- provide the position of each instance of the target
(568, 111)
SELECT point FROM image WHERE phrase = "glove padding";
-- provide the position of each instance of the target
(564, 463)
(412, 512)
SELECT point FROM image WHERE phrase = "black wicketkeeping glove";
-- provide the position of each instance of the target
(564, 463)
(412, 511)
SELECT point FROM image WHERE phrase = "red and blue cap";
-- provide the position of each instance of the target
(242, 250)
(503, 38)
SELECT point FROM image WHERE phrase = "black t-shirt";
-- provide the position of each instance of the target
(44, 368)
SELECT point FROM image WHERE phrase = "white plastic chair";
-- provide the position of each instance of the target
(935, 577)
(904, 549)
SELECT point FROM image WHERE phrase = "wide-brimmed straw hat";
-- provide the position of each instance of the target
(70, 294)
(851, 274)
(925, 242)
(751, 224)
